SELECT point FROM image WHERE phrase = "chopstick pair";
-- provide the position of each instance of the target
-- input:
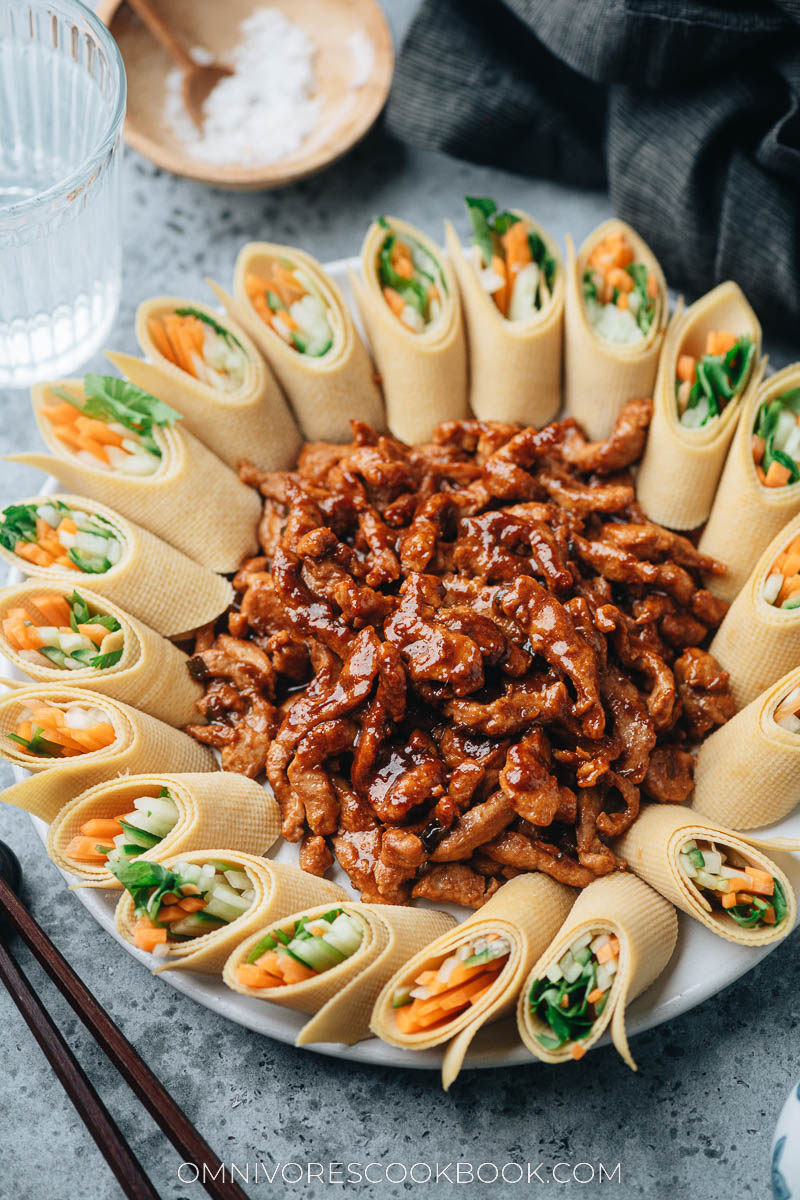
(162, 1108)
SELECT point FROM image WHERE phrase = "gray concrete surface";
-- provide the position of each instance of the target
(697, 1119)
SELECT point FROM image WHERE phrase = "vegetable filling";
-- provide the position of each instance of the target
(56, 731)
(620, 294)
(776, 440)
(66, 635)
(511, 259)
(183, 902)
(302, 951)
(574, 991)
(291, 304)
(192, 340)
(787, 714)
(750, 896)
(54, 534)
(411, 280)
(439, 995)
(705, 386)
(782, 585)
(111, 428)
(121, 839)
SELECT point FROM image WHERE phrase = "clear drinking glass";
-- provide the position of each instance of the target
(62, 103)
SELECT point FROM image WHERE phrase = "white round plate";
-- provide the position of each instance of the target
(701, 966)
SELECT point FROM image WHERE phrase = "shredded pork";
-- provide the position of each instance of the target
(463, 660)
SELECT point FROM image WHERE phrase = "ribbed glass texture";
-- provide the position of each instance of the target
(62, 103)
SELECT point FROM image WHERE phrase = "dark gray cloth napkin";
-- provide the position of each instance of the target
(688, 111)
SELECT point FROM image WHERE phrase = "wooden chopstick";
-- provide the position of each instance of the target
(93, 1112)
(156, 1099)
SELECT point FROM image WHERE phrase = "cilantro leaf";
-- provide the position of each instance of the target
(18, 525)
(108, 398)
(147, 883)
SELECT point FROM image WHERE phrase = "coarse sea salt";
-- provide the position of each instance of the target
(362, 53)
(266, 109)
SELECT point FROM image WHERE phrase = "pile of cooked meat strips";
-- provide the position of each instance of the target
(464, 660)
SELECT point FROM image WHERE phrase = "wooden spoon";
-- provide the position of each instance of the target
(198, 80)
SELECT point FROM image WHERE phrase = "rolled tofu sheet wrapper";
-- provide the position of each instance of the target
(278, 890)
(758, 641)
(523, 916)
(681, 466)
(209, 809)
(229, 399)
(602, 369)
(616, 908)
(514, 364)
(340, 999)
(102, 738)
(747, 771)
(149, 672)
(134, 579)
(747, 514)
(424, 368)
(308, 337)
(185, 495)
(652, 848)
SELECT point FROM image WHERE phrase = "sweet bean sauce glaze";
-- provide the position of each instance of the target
(463, 660)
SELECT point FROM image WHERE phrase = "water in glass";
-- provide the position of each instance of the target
(62, 101)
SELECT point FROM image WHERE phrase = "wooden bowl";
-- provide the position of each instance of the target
(346, 112)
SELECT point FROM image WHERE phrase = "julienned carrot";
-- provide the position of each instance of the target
(502, 295)
(98, 431)
(159, 338)
(289, 969)
(102, 827)
(96, 738)
(461, 974)
(34, 554)
(463, 987)
(253, 976)
(619, 279)
(720, 341)
(52, 722)
(286, 285)
(55, 609)
(395, 301)
(608, 951)
(517, 250)
(613, 251)
(95, 633)
(178, 337)
(21, 634)
(147, 936)
(180, 343)
(67, 430)
(409, 1022)
(402, 261)
(62, 414)
(171, 912)
(257, 291)
(85, 850)
(777, 475)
